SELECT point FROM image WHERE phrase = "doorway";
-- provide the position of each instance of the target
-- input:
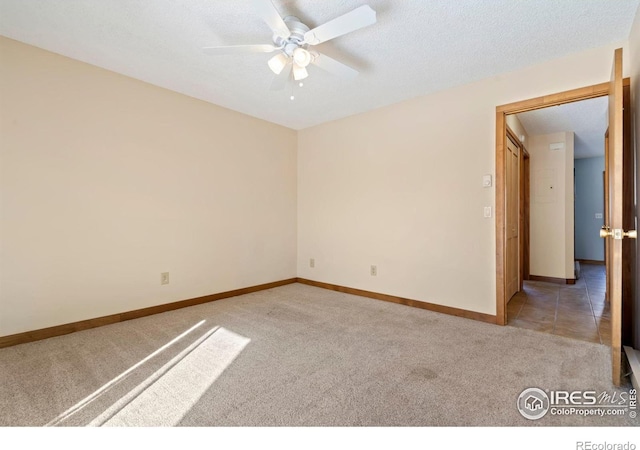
(563, 290)
(621, 193)
(502, 112)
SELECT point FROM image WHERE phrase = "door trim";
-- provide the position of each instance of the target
(574, 95)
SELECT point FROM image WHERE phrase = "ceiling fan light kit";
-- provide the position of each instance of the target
(277, 63)
(299, 73)
(302, 57)
(292, 39)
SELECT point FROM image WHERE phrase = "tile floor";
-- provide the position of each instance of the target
(576, 311)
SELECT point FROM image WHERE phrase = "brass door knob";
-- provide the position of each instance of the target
(617, 234)
(605, 232)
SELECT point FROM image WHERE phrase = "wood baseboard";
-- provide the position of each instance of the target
(552, 279)
(59, 330)
(403, 301)
(590, 261)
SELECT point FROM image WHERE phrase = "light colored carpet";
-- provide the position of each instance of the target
(295, 355)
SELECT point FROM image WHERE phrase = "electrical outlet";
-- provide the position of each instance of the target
(164, 278)
(374, 271)
(312, 263)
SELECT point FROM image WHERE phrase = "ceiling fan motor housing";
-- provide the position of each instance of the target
(295, 40)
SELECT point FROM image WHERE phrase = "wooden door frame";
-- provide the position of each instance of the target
(525, 209)
(629, 254)
(574, 95)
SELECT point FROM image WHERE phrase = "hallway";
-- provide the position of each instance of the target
(575, 311)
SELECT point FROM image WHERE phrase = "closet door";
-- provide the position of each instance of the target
(512, 208)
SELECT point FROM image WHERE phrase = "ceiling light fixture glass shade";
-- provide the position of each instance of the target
(302, 57)
(278, 62)
(299, 73)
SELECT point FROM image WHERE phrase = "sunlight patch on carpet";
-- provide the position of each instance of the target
(164, 398)
(105, 388)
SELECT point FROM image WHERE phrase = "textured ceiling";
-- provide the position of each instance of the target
(417, 46)
(587, 119)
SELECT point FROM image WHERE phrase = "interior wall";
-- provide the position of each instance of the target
(551, 206)
(589, 201)
(516, 126)
(633, 62)
(401, 188)
(105, 182)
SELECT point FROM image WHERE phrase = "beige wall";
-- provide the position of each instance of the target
(516, 126)
(105, 182)
(401, 187)
(551, 206)
(632, 59)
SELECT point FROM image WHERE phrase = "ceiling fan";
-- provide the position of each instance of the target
(293, 42)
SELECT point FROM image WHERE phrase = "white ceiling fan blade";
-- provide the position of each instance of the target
(334, 67)
(238, 49)
(268, 12)
(280, 80)
(351, 21)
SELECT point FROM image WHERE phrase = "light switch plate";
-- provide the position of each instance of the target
(487, 212)
(598, 215)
